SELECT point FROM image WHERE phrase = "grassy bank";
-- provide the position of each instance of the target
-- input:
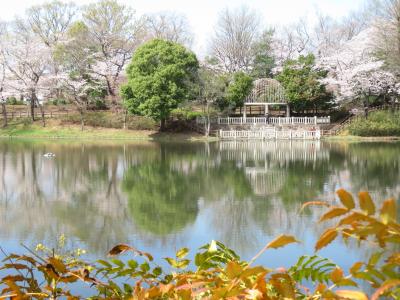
(58, 129)
(378, 124)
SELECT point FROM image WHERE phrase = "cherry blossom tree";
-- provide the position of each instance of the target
(80, 90)
(373, 83)
(352, 60)
(115, 33)
(27, 65)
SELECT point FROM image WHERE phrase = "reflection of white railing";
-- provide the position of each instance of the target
(270, 134)
(266, 120)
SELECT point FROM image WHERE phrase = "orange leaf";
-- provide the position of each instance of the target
(327, 237)
(233, 270)
(118, 249)
(346, 198)
(333, 213)
(384, 287)
(58, 265)
(313, 203)
(366, 203)
(353, 295)
(337, 275)
(388, 211)
(356, 267)
(281, 241)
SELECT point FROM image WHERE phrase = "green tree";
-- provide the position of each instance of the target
(302, 83)
(263, 60)
(239, 88)
(159, 79)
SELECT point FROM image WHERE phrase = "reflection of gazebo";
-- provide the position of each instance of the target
(266, 91)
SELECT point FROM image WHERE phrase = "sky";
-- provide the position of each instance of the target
(203, 14)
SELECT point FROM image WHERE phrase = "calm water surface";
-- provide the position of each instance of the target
(163, 196)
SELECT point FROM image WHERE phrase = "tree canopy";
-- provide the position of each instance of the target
(159, 79)
(302, 83)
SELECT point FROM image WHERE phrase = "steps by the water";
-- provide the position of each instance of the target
(270, 133)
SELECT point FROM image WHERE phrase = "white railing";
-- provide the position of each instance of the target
(265, 120)
(270, 134)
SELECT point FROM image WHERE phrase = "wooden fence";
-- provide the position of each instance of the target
(25, 114)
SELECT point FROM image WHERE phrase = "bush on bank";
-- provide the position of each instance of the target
(218, 272)
(380, 123)
(111, 120)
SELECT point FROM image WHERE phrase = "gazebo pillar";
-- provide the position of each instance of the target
(266, 109)
(287, 110)
(244, 112)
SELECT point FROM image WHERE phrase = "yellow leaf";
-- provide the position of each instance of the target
(346, 198)
(353, 295)
(182, 253)
(337, 275)
(281, 241)
(388, 211)
(333, 213)
(366, 203)
(327, 237)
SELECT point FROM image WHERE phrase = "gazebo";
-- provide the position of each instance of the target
(266, 92)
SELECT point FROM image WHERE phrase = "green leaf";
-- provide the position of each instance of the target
(182, 253)
(117, 262)
(145, 267)
(172, 262)
(132, 264)
(104, 263)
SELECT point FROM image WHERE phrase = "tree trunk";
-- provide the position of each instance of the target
(125, 117)
(162, 124)
(208, 123)
(4, 111)
(82, 119)
(32, 108)
(392, 103)
(366, 107)
(41, 110)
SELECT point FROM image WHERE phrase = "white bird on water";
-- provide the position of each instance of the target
(49, 154)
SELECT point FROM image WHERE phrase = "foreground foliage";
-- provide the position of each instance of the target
(218, 272)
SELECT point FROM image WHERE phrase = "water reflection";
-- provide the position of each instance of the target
(164, 195)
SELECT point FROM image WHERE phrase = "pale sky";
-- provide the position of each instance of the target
(202, 15)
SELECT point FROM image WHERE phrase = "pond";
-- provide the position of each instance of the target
(160, 197)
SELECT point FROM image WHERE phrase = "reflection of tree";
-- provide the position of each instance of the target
(106, 194)
(160, 199)
(375, 166)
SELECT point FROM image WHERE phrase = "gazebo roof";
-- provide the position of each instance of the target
(266, 90)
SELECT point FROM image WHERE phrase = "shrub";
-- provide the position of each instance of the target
(110, 120)
(14, 101)
(218, 272)
(380, 123)
(59, 101)
(185, 114)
